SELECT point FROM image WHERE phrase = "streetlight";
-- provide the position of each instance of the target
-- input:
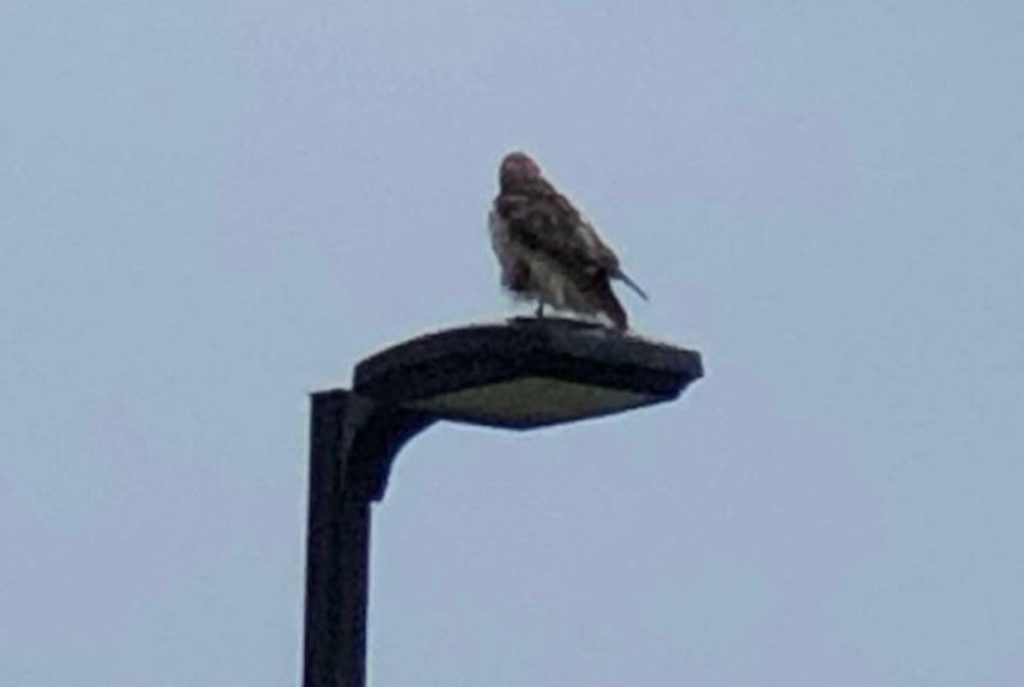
(524, 374)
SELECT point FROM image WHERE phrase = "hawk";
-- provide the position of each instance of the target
(547, 250)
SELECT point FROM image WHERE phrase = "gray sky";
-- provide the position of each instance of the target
(208, 210)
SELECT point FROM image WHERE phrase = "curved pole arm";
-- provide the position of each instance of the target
(353, 443)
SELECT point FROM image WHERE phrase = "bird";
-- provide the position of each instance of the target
(547, 250)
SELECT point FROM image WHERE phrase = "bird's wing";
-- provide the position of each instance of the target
(546, 222)
(607, 259)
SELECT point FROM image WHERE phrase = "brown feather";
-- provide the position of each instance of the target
(603, 296)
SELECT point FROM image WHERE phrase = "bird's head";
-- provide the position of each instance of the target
(518, 168)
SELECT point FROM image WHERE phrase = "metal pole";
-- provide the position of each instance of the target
(353, 442)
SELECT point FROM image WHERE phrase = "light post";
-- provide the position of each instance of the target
(521, 375)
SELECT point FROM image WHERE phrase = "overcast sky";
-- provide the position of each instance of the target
(210, 209)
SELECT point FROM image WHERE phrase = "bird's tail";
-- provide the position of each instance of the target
(621, 276)
(606, 302)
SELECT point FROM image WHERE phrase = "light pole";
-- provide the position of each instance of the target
(524, 374)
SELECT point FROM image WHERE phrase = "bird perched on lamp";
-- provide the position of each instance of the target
(548, 251)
